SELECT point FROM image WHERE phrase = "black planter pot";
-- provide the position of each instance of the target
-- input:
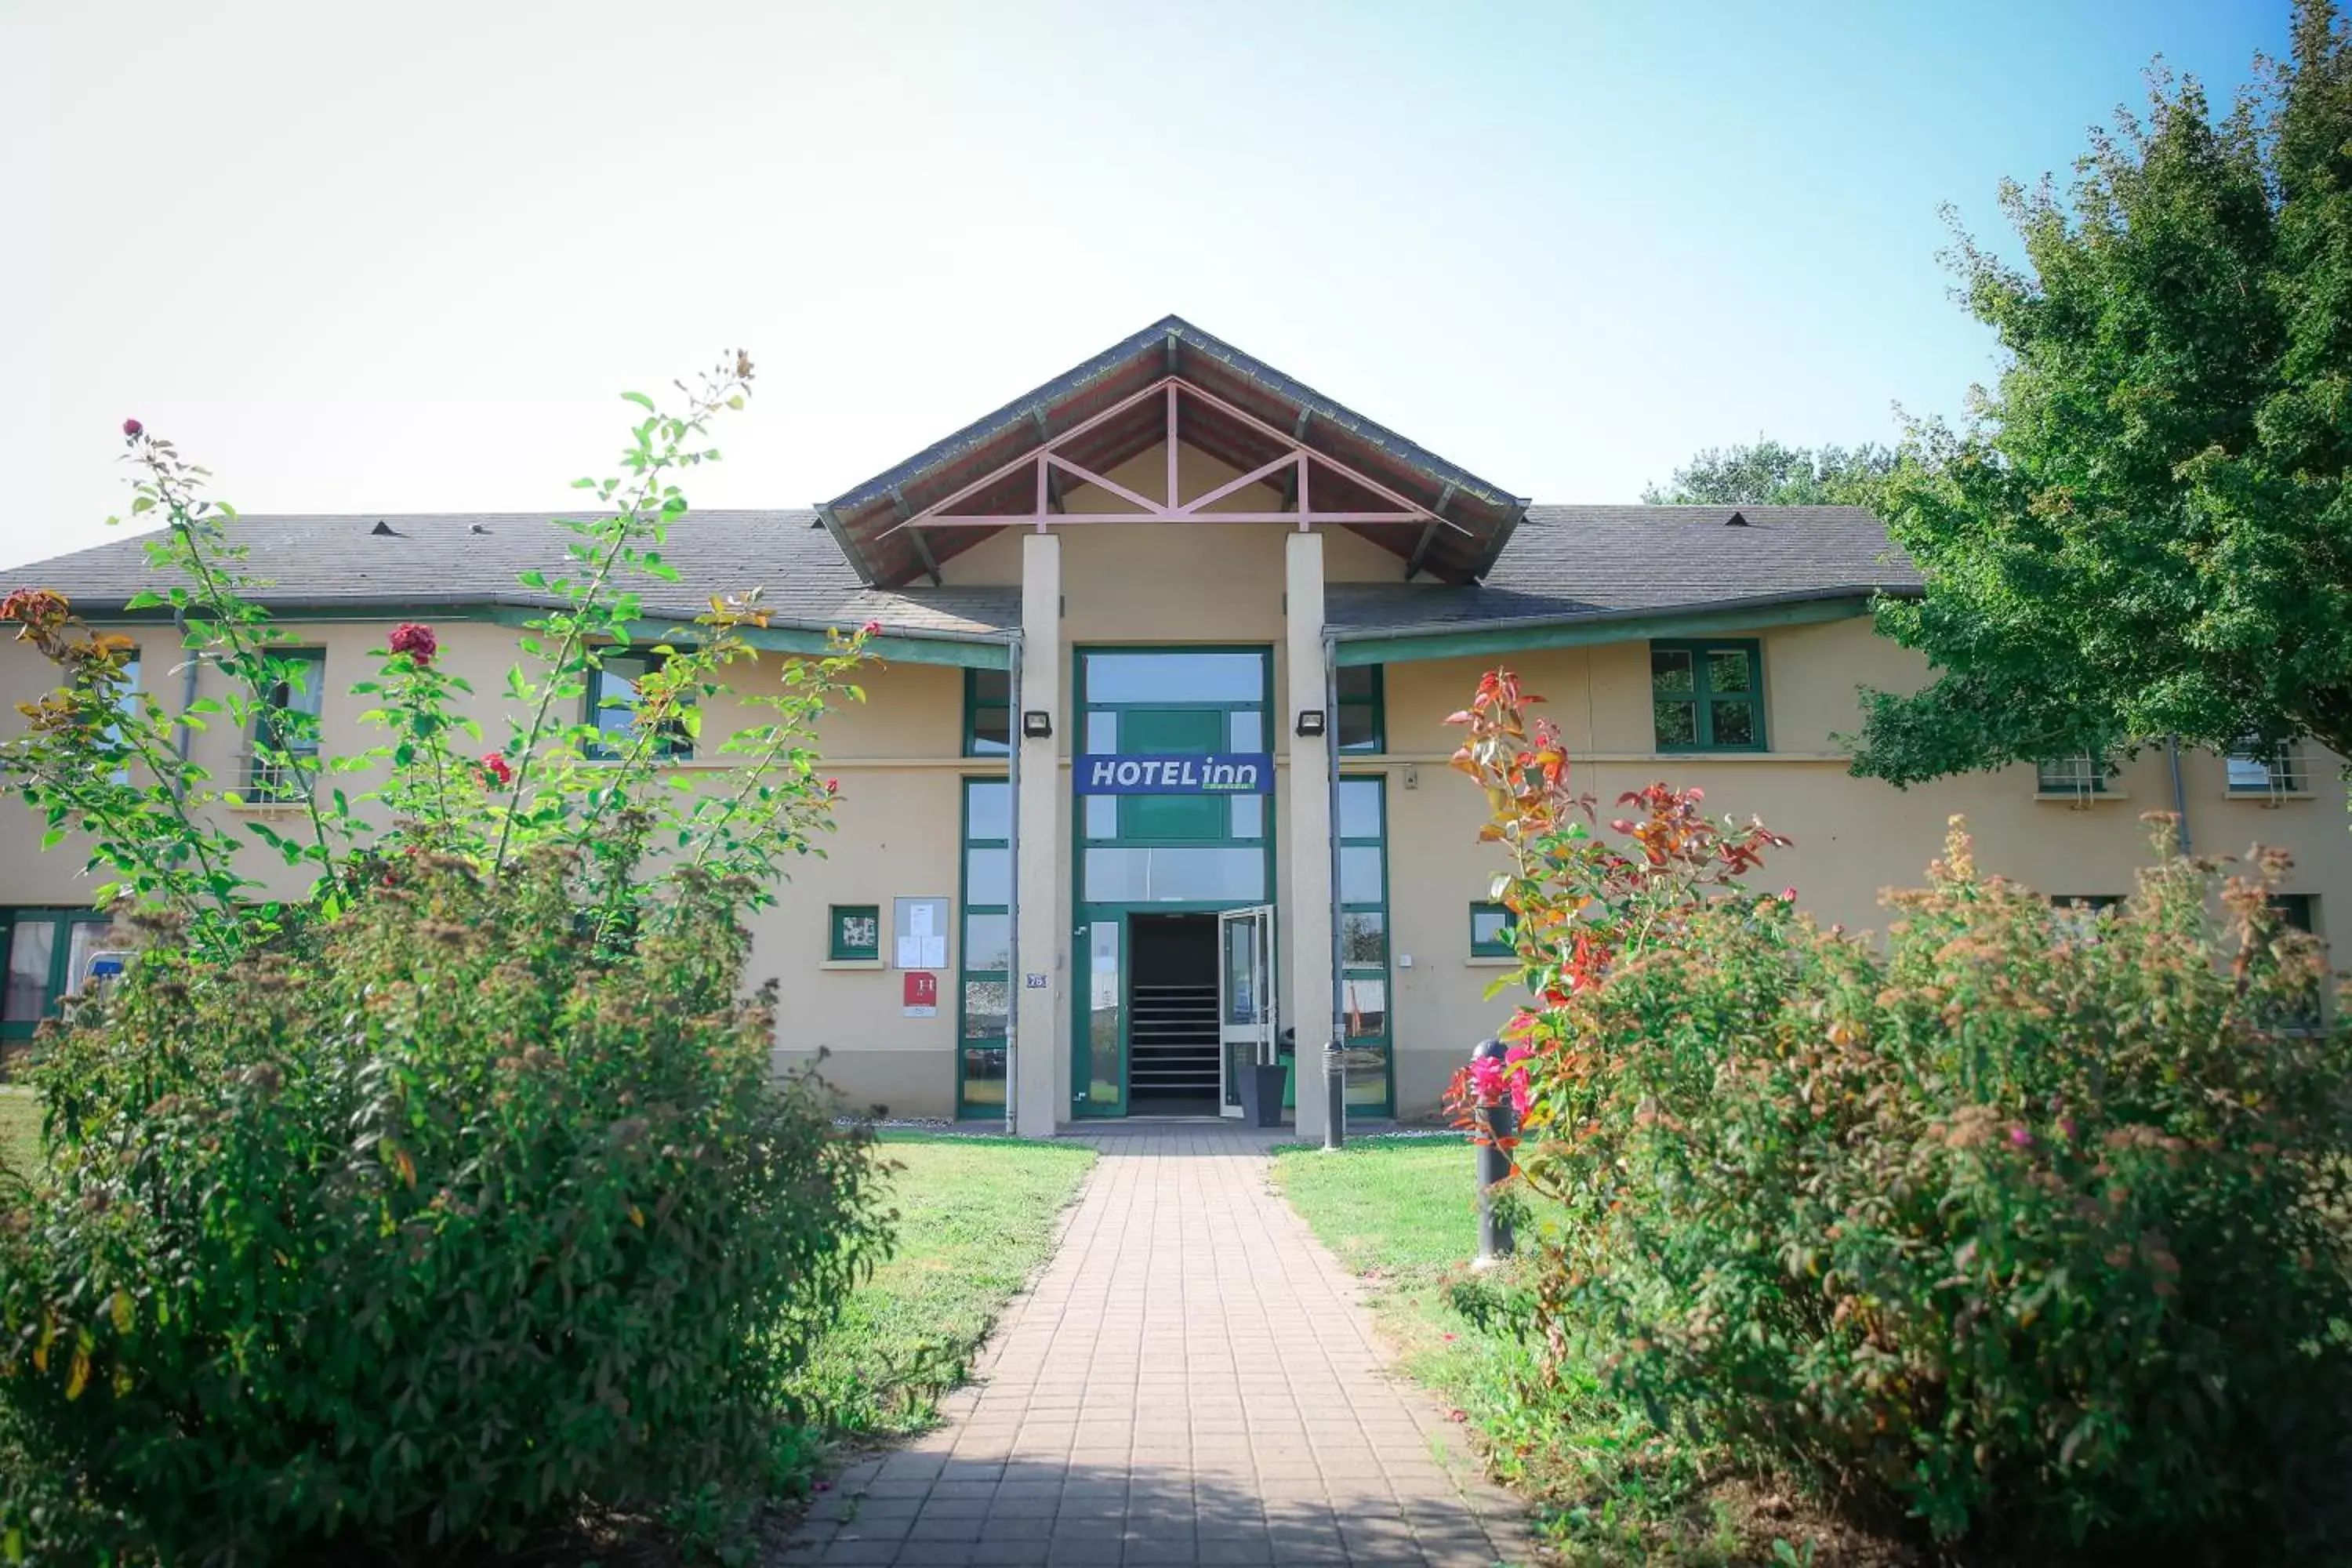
(1262, 1094)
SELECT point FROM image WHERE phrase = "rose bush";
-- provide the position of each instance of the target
(2028, 1226)
(453, 1195)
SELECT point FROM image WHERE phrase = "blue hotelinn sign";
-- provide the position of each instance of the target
(1188, 772)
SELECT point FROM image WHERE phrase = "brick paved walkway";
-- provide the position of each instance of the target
(1191, 1381)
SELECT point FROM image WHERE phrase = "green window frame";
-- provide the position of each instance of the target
(38, 953)
(611, 705)
(2081, 773)
(984, 997)
(1707, 696)
(1493, 932)
(1364, 943)
(1360, 727)
(286, 732)
(987, 712)
(853, 933)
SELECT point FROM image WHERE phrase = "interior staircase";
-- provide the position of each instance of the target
(1172, 1039)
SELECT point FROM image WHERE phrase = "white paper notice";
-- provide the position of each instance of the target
(935, 953)
(911, 953)
(919, 920)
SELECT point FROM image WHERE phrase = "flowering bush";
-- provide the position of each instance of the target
(2031, 1228)
(455, 1194)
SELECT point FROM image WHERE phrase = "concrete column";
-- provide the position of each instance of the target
(1307, 831)
(1041, 945)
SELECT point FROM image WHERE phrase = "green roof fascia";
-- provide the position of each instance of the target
(980, 651)
(962, 653)
(1371, 646)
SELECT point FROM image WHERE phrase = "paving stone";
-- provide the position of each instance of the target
(1193, 1381)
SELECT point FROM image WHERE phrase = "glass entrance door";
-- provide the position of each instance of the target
(1245, 1004)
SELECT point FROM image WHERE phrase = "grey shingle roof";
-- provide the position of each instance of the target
(450, 558)
(1571, 560)
(1563, 561)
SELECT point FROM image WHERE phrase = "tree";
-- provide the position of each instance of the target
(1769, 474)
(2145, 529)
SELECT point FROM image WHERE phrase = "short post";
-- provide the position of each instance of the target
(1498, 1119)
(1335, 1095)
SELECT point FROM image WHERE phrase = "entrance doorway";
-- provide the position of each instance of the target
(1172, 1009)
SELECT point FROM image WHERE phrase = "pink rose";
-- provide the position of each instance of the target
(132, 429)
(870, 629)
(417, 642)
(495, 769)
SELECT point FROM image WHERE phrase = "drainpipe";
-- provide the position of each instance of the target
(1334, 1133)
(187, 694)
(1012, 980)
(2179, 795)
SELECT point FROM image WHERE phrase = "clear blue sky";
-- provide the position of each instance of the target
(401, 259)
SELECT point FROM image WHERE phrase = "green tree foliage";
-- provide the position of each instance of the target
(2145, 529)
(1769, 474)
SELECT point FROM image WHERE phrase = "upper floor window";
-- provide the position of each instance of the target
(286, 735)
(1707, 696)
(1362, 718)
(2268, 770)
(612, 707)
(1493, 932)
(987, 712)
(2081, 773)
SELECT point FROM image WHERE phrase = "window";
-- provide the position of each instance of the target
(286, 737)
(48, 953)
(1707, 696)
(2267, 770)
(612, 707)
(2079, 913)
(1493, 932)
(987, 712)
(2300, 911)
(984, 981)
(857, 933)
(1360, 723)
(2082, 774)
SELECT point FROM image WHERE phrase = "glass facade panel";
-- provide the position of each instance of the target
(988, 811)
(1204, 875)
(988, 876)
(1670, 671)
(1677, 723)
(1728, 670)
(985, 1004)
(1245, 731)
(988, 941)
(1102, 734)
(1367, 1007)
(31, 945)
(1171, 677)
(83, 938)
(1359, 808)
(1249, 815)
(984, 1076)
(1360, 874)
(1102, 817)
(1363, 937)
(1101, 1078)
(1243, 1003)
(1735, 724)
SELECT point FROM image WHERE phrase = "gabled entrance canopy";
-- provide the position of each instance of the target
(1172, 384)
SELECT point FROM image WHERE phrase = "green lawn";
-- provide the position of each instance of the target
(977, 1217)
(20, 1129)
(1612, 1489)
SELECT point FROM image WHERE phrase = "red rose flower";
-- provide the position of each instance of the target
(495, 769)
(417, 642)
(132, 429)
(870, 629)
(832, 786)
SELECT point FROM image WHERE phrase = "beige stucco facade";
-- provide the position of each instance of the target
(901, 762)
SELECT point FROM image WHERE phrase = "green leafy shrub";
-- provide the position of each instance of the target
(462, 1220)
(453, 1194)
(2027, 1225)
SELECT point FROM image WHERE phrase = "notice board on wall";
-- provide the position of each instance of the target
(918, 933)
